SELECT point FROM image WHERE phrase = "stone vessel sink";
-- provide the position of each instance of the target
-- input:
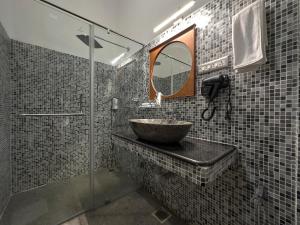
(160, 130)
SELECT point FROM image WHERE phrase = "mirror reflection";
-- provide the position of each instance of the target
(172, 68)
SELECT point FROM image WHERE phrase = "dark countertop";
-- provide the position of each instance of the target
(195, 151)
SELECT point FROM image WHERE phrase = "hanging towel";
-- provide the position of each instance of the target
(249, 37)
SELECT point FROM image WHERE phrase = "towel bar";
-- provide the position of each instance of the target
(53, 114)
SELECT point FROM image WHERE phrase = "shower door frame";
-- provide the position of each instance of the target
(91, 114)
(92, 119)
(92, 26)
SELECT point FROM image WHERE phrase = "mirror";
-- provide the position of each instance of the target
(172, 68)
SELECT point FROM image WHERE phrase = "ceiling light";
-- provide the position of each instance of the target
(174, 16)
(114, 61)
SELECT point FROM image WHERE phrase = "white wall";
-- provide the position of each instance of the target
(104, 12)
(34, 23)
(6, 16)
(31, 22)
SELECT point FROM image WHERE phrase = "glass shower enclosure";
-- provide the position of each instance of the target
(63, 73)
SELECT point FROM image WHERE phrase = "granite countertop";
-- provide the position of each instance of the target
(192, 150)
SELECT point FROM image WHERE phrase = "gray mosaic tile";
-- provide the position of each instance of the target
(5, 121)
(264, 125)
(298, 190)
(201, 175)
(51, 149)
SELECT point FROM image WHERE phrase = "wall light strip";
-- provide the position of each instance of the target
(114, 61)
(174, 16)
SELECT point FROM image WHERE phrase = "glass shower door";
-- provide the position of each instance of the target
(109, 183)
(51, 117)
(62, 159)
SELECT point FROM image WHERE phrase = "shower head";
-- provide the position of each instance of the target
(86, 40)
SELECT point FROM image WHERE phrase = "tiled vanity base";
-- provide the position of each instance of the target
(195, 173)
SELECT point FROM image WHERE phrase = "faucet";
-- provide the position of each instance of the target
(155, 104)
(158, 99)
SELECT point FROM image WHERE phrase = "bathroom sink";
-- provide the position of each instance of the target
(161, 131)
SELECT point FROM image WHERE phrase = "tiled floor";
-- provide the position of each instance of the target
(118, 201)
(51, 204)
(80, 220)
(135, 208)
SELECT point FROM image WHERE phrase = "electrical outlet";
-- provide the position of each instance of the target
(214, 65)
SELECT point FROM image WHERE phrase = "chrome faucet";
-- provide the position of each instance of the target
(155, 104)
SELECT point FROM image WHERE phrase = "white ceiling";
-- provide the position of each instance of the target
(133, 18)
(139, 17)
(31, 22)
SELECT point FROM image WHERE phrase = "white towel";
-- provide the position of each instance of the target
(249, 37)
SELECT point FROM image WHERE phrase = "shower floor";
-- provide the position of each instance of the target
(53, 203)
(136, 208)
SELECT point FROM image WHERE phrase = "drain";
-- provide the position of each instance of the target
(106, 202)
(161, 215)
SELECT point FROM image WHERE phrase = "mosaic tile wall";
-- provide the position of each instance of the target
(298, 193)
(167, 86)
(50, 149)
(5, 124)
(104, 81)
(264, 122)
(179, 80)
(201, 175)
(163, 84)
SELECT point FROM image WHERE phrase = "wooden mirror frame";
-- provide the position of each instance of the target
(187, 37)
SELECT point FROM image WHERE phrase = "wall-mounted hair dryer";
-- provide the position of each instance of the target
(210, 89)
